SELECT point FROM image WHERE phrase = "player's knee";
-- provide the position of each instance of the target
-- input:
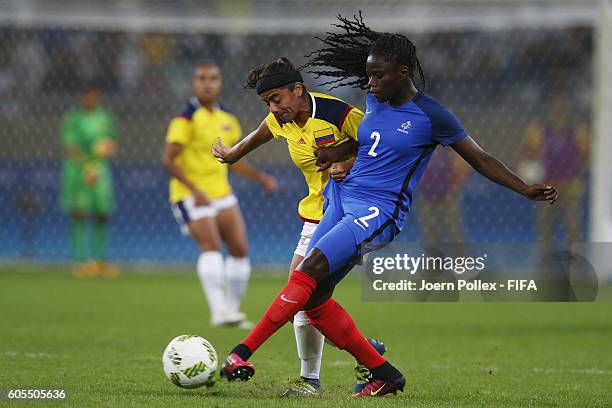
(209, 245)
(205, 233)
(206, 241)
(315, 265)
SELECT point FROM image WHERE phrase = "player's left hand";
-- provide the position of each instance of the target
(222, 152)
(541, 192)
(269, 183)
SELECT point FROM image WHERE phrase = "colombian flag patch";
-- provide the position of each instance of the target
(324, 136)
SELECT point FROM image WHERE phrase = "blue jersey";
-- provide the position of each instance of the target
(395, 145)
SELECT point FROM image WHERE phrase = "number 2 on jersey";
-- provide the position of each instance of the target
(376, 136)
(363, 221)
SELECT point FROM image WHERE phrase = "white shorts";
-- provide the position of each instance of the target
(305, 236)
(186, 211)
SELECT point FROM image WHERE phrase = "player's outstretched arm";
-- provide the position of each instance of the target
(493, 169)
(267, 182)
(252, 141)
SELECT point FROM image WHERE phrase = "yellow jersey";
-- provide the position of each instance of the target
(331, 123)
(196, 129)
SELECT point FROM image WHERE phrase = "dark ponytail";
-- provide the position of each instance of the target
(280, 66)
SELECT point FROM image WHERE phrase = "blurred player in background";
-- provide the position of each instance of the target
(309, 121)
(400, 129)
(202, 198)
(439, 198)
(557, 149)
(88, 135)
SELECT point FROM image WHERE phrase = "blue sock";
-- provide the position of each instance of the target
(315, 382)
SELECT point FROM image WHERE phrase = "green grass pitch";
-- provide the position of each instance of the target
(102, 340)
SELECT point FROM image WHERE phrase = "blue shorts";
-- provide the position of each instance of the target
(349, 228)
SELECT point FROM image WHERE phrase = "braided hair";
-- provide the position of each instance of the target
(346, 52)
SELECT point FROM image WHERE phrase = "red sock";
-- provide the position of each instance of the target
(290, 300)
(338, 326)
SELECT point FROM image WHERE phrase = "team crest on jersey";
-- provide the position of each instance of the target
(404, 127)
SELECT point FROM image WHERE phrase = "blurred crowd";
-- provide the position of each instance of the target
(461, 67)
(517, 92)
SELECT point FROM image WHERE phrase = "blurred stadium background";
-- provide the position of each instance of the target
(499, 65)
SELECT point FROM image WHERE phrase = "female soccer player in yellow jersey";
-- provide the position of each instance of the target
(202, 199)
(308, 121)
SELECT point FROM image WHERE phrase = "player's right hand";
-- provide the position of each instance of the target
(200, 198)
(223, 153)
(269, 183)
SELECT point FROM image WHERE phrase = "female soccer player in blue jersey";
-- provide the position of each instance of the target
(400, 129)
(309, 122)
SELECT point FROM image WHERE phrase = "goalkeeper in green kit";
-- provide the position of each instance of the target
(88, 137)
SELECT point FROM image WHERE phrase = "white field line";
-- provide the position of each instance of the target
(28, 354)
(343, 363)
(587, 371)
(549, 370)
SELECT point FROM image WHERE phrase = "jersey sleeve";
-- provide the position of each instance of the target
(179, 131)
(274, 125)
(351, 123)
(446, 128)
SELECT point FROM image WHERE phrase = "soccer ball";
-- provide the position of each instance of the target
(190, 361)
